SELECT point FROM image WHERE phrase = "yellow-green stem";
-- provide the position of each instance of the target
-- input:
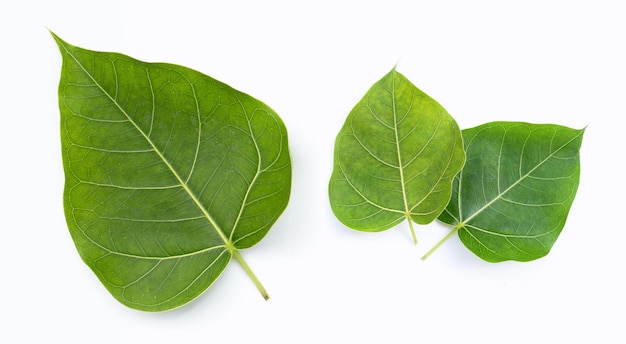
(251, 274)
(448, 236)
(412, 229)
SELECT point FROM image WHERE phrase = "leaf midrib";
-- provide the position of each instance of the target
(407, 211)
(227, 242)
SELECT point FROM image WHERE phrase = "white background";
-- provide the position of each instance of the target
(538, 61)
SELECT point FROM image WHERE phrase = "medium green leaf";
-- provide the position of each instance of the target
(168, 174)
(395, 158)
(511, 199)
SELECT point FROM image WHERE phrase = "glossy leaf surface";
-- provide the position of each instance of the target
(512, 198)
(395, 158)
(168, 174)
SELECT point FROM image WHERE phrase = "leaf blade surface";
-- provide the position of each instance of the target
(512, 198)
(395, 158)
(168, 172)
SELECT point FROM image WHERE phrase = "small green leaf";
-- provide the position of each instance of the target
(512, 198)
(395, 158)
(168, 174)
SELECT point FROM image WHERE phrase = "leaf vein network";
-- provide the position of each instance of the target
(193, 197)
(365, 198)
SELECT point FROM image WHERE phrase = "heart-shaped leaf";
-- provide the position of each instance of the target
(512, 197)
(395, 158)
(168, 174)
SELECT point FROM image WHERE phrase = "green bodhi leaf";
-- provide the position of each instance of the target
(512, 198)
(395, 158)
(169, 173)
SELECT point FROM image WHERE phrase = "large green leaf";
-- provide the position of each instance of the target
(395, 158)
(511, 199)
(168, 174)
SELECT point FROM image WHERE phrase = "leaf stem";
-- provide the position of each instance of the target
(251, 274)
(412, 229)
(448, 236)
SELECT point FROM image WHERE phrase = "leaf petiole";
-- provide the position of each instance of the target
(412, 229)
(251, 274)
(448, 236)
